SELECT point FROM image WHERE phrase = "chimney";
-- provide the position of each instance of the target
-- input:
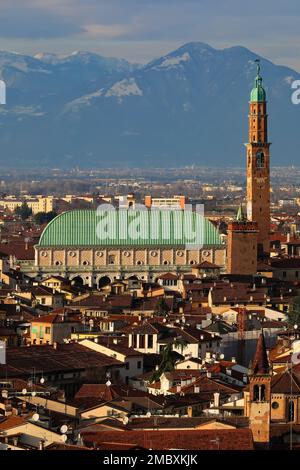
(41, 445)
(217, 399)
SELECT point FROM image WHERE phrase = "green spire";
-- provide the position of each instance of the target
(240, 216)
(258, 93)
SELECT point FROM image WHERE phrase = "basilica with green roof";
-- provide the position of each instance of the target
(121, 243)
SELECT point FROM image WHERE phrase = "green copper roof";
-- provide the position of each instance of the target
(258, 93)
(128, 227)
(240, 216)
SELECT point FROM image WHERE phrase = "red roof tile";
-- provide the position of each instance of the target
(229, 439)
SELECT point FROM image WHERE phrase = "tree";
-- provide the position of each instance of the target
(169, 358)
(24, 211)
(44, 217)
(162, 308)
(294, 312)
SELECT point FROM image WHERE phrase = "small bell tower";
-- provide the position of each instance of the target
(259, 405)
(242, 245)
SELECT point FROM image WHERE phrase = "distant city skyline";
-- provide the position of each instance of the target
(140, 30)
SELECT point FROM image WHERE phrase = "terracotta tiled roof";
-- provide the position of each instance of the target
(108, 393)
(60, 446)
(229, 439)
(146, 328)
(168, 276)
(45, 358)
(285, 382)
(10, 422)
(54, 318)
(208, 386)
(207, 265)
(121, 347)
(101, 391)
(286, 263)
(171, 422)
(19, 249)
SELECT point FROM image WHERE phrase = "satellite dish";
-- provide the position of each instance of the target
(35, 417)
(222, 356)
(64, 429)
(24, 391)
(64, 438)
(108, 383)
(33, 394)
(125, 420)
(148, 414)
(42, 381)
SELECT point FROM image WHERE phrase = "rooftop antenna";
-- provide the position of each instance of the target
(63, 429)
(257, 61)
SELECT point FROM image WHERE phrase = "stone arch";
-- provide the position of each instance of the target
(77, 280)
(133, 278)
(103, 281)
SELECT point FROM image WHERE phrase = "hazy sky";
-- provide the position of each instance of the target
(140, 30)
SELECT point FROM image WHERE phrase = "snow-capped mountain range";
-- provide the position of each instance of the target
(189, 106)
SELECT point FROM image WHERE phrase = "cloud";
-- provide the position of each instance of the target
(109, 31)
(152, 25)
(35, 23)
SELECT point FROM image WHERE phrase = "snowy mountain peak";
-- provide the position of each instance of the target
(126, 87)
(171, 62)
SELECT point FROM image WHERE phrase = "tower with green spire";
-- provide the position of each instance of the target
(258, 93)
(258, 163)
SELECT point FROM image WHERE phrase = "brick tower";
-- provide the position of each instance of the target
(258, 165)
(259, 405)
(242, 245)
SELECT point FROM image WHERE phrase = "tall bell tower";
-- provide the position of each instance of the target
(258, 165)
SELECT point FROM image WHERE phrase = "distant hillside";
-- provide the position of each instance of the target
(189, 106)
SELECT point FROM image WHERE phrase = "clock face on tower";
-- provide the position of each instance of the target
(260, 180)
